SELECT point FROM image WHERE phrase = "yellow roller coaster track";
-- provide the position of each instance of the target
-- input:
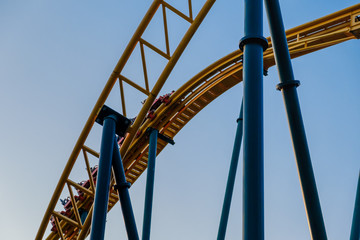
(184, 104)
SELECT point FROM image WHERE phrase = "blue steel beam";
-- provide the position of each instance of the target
(288, 86)
(149, 184)
(231, 177)
(253, 45)
(355, 228)
(103, 179)
(123, 191)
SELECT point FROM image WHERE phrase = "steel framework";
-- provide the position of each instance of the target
(183, 105)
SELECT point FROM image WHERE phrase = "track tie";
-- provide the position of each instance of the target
(144, 158)
(143, 163)
(214, 95)
(184, 115)
(135, 171)
(204, 99)
(189, 112)
(130, 180)
(138, 168)
(218, 90)
(132, 175)
(182, 118)
(179, 121)
(230, 82)
(172, 130)
(168, 133)
(199, 103)
(174, 125)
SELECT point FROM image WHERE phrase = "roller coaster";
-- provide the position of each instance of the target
(169, 113)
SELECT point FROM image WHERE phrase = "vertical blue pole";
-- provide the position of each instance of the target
(103, 179)
(231, 177)
(149, 185)
(122, 187)
(355, 228)
(253, 45)
(288, 86)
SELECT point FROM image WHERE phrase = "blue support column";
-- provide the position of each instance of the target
(149, 185)
(253, 45)
(122, 187)
(288, 86)
(355, 228)
(103, 179)
(231, 177)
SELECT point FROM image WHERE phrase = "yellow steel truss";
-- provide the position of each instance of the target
(185, 103)
(116, 76)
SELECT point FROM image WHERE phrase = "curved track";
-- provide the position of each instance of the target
(225, 73)
(185, 103)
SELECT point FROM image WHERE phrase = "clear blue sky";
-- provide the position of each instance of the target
(55, 57)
